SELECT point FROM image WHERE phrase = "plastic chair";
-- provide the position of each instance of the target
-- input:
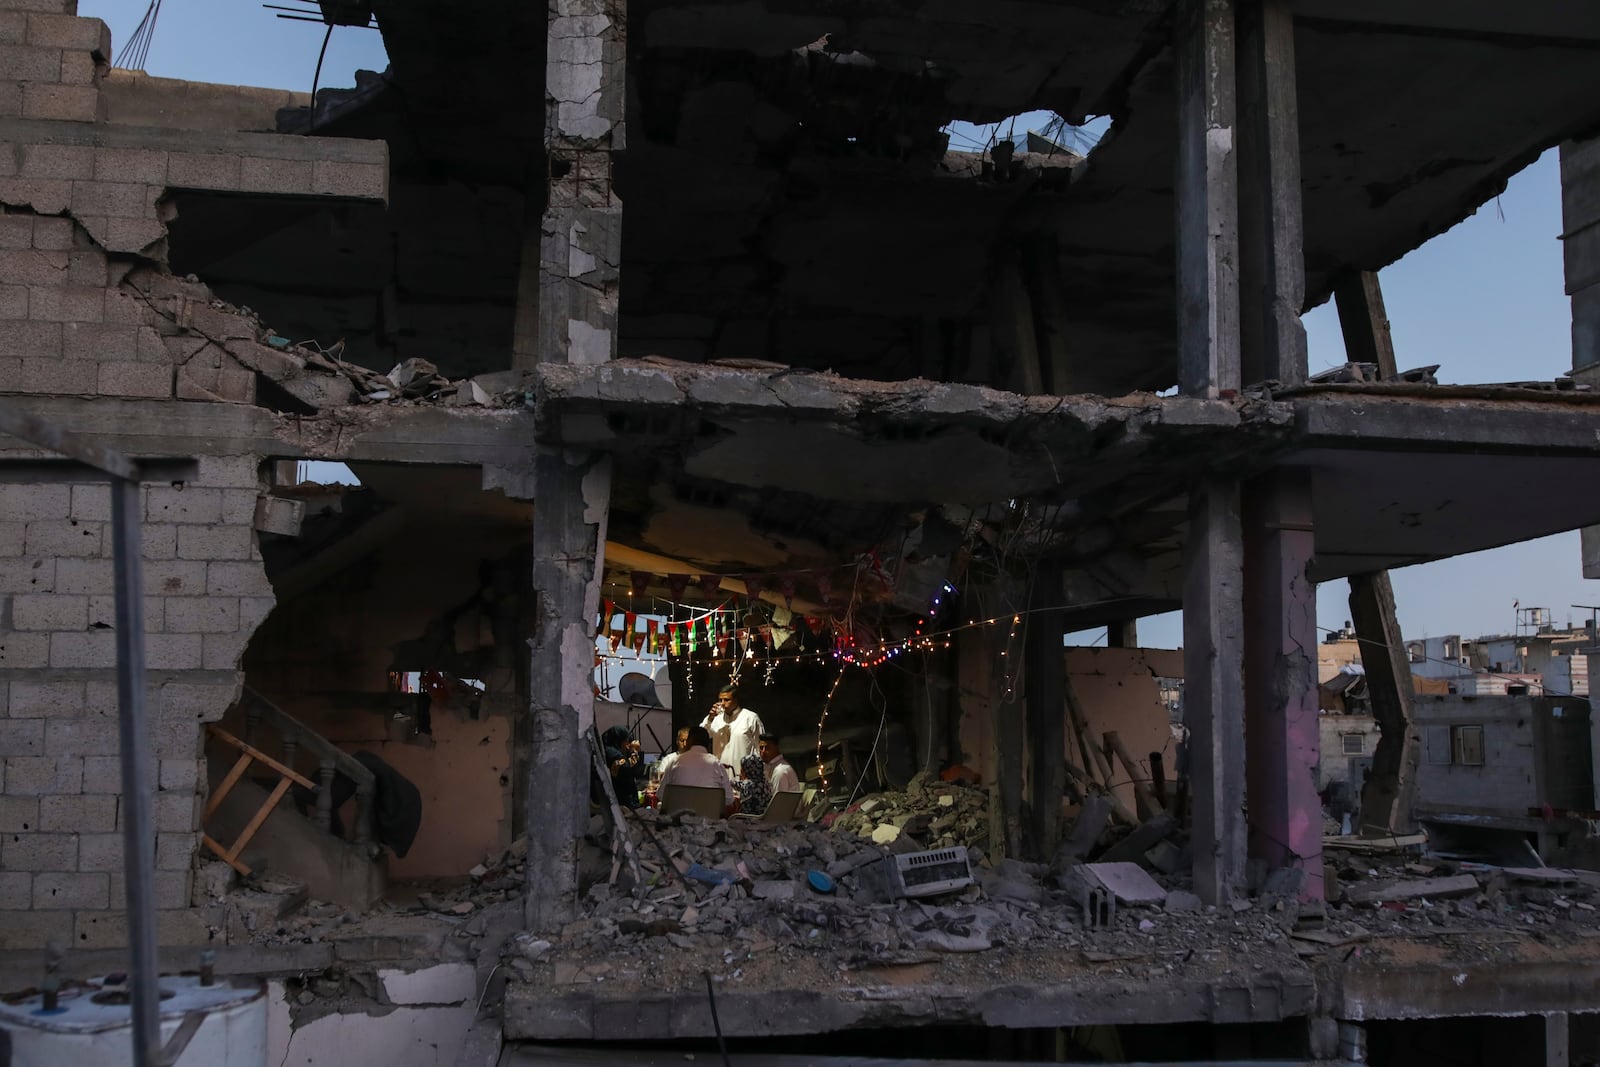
(783, 807)
(707, 800)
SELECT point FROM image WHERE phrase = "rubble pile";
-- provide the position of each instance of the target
(928, 814)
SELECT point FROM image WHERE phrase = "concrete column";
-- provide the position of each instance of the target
(1124, 634)
(1208, 205)
(1213, 667)
(1557, 1040)
(1391, 785)
(1365, 322)
(569, 535)
(1281, 731)
(1272, 281)
(1046, 670)
(567, 313)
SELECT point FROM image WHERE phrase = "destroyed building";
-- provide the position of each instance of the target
(607, 305)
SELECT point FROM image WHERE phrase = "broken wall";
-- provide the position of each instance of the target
(1534, 751)
(92, 326)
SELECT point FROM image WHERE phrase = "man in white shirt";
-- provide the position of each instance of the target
(695, 765)
(735, 731)
(781, 775)
(681, 742)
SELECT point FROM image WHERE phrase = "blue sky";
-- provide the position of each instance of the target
(1485, 301)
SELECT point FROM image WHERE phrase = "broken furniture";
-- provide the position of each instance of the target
(704, 800)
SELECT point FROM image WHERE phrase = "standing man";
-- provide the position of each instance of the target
(781, 775)
(735, 731)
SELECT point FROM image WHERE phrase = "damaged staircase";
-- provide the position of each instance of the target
(248, 825)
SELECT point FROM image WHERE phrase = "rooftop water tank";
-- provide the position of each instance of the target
(92, 1025)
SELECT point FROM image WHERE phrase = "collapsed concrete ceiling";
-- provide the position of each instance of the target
(788, 195)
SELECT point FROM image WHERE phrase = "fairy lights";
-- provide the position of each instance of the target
(823, 721)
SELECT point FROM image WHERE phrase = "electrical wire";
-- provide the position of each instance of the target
(137, 48)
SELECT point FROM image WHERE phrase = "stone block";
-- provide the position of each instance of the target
(33, 267)
(81, 68)
(197, 702)
(91, 503)
(58, 377)
(146, 380)
(183, 504)
(62, 890)
(366, 181)
(24, 651)
(207, 614)
(90, 576)
(100, 852)
(98, 341)
(27, 930)
(22, 737)
(169, 888)
(62, 537)
(177, 813)
(19, 814)
(49, 611)
(284, 176)
(90, 649)
(175, 577)
(48, 196)
(215, 542)
(54, 235)
(66, 303)
(223, 652)
(13, 301)
(279, 515)
(27, 63)
(67, 161)
(120, 199)
(61, 103)
(91, 735)
(39, 852)
(28, 503)
(230, 472)
(180, 775)
(30, 341)
(31, 699)
(93, 813)
(13, 27)
(238, 507)
(254, 610)
(16, 231)
(69, 31)
(103, 613)
(16, 890)
(131, 235)
(237, 580)
(174, 652)
(203, 170)
(11, 538)
(175, 851)
(88, 268)
(158, 543)
(109, 929)
(146, 165)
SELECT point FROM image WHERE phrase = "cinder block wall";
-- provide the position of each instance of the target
(88, 312)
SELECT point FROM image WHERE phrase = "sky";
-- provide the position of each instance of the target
(1485, 301)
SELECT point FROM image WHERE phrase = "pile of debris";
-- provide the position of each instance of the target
(927, 814)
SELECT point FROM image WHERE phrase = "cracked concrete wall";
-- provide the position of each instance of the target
(89, 315)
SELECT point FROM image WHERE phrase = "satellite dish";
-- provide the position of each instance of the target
(639, 689)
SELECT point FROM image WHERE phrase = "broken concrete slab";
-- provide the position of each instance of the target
(1412, 889)
(1128, 882)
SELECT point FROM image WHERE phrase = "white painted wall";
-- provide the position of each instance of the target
(426, 1027)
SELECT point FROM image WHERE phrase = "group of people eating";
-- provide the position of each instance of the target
(730, 749)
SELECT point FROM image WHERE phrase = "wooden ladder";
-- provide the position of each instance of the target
(248, 754)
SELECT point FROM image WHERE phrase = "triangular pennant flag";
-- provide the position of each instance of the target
(629, 621)
(766, 635)
(616, 639)
(709, 584)
(607, 608)
(786, 584)
(676, 584)
(825, 587)
(638, 640)
(641, 582)
(753, 584)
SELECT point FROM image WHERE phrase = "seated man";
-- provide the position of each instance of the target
(680, 743)
(781, 775)
(697, 766)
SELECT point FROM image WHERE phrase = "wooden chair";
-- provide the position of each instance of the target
(707, 800)
(248, 754)
(783, 807)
